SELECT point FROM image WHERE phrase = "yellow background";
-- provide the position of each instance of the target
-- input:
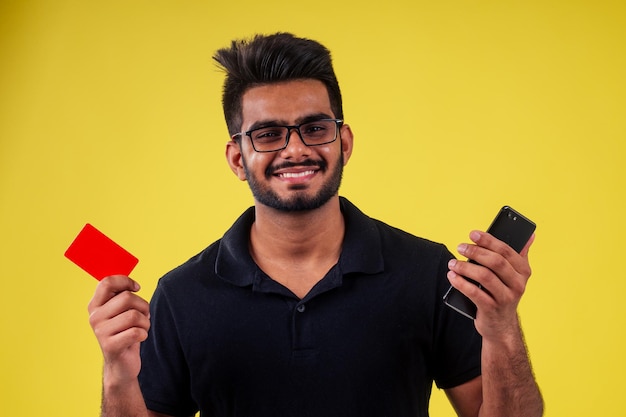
(110, 113)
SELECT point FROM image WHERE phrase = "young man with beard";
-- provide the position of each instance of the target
(307, 307)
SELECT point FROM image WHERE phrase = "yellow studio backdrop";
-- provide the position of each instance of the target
(110, 113)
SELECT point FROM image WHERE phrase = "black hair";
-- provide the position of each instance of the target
(267, 59)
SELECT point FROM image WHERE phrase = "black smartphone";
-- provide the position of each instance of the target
(510, 227)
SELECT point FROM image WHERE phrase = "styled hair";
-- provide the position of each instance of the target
(267, 59)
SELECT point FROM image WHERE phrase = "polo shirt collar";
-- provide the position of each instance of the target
(361, 252)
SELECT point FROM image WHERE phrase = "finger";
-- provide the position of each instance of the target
(118, 304)
(109, 287)
(526, 248)
(494, 272)
(505, 272)
(494, 254)
(120, 323)
(478, 295)
(493, 293)
(488, 258)
(119, 342)
(491, 243)
(489, 282)
(121, 331)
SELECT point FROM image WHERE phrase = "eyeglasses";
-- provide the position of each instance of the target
(276, 138)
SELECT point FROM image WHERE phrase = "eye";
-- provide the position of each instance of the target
(268, 134)
(314, 129)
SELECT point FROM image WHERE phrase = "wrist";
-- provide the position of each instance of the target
(122, 397)
(115, 380)
(507, 342)
(502, 331)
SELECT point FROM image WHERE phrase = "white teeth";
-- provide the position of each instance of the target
(296, 174)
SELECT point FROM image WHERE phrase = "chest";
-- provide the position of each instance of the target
(338, 335)
(297, 277)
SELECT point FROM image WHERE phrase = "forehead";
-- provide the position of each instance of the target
(285, 102)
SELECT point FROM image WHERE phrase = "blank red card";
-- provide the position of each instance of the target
(98, 255)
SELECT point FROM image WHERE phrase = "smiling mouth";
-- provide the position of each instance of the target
(295, 171)
(296, 174)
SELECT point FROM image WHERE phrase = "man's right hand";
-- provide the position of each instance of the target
(120, 319)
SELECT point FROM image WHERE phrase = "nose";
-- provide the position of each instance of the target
(296, 147)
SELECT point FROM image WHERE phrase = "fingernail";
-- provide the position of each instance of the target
(451, 263)
(475, 236)
(451, 275)
(462, 248)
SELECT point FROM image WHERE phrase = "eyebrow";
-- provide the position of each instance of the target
(274, 122)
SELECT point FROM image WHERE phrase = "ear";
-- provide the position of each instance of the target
(347, 141)
(235, 159)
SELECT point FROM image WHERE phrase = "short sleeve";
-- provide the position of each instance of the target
(164, 377)
(457, 346)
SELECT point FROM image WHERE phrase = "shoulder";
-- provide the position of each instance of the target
(227, 258)
(199, 266)
(396, 234)
(412, 257)
(390, 237)
(373, 247)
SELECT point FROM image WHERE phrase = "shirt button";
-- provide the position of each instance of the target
(301, 308)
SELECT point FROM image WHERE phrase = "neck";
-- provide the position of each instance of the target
(297, 249)
(298, 234)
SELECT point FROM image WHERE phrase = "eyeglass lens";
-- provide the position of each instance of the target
(275, 137)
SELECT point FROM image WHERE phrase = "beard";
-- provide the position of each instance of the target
(299, 199)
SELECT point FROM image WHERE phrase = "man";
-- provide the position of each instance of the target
(307, 307)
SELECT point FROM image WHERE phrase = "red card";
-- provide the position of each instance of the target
(98, 255)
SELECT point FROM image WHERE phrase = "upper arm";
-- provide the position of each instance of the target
(467, 398)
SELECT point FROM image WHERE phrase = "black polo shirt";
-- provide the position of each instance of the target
(368, 340)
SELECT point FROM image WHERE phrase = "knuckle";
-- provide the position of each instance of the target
(138, 317)
(135, 319)
(527, 271)
(469, 251)
(489, 280)
(472, 290)
(100, 335)
(519, 287)
(500, 262)
(508, 251)
(142, 334)
(127, 299)
(125, 296)
(105, 285)
(93, 321)
(484, 275)
(137, 334)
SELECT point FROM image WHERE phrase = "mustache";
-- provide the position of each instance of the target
(322, 165)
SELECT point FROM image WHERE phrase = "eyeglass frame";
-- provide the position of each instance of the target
(338, 125)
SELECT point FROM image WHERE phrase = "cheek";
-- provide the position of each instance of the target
(335, 156)
(258, 159)
(256, 162)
